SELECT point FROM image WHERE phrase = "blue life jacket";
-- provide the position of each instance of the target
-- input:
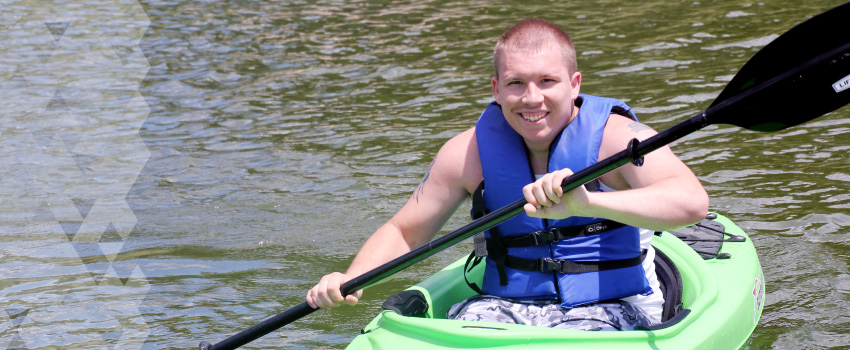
(506, 170)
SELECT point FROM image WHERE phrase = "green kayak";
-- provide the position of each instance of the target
(711, 277)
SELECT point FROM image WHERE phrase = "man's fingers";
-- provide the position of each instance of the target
(335, 293)
(558, 179)
(327, 294)
(545, 193)
(530, 209)
(550, 188)
(353, 299)
(323, 300)
(540, 195)
(528, 193)
(310, 300)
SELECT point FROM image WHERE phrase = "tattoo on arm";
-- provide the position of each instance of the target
(638, 127)
(421, 187)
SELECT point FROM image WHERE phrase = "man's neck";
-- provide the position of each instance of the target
(538, 154)
(539, 161)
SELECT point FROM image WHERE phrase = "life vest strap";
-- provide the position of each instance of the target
(552, 235)
(549, 265)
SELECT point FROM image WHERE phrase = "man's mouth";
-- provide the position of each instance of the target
(534, 116)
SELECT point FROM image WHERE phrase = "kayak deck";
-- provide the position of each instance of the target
(724, 297)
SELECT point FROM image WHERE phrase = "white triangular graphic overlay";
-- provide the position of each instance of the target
(70, 151)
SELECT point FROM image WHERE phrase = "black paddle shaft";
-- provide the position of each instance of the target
(260, 329)
(801, 75)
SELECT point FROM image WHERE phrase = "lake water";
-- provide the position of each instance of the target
(177, 171)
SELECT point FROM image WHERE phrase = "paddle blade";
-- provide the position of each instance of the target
(801, 75)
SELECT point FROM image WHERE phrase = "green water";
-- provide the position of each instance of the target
(205, 163)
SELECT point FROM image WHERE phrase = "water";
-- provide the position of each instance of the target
(177, 171)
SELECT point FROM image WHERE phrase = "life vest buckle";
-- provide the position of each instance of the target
(548, 265)
(543, 237)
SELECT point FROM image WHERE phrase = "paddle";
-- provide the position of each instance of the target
(800, 76)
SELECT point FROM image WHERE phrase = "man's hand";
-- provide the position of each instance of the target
(546, 198)
(327, 293)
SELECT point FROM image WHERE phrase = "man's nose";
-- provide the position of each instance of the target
(532, 95)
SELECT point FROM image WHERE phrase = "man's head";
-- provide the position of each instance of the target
(536, 81)
(534, 35)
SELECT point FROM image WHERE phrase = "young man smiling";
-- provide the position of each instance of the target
(525, 143)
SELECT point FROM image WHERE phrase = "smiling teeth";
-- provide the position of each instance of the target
(533, 117)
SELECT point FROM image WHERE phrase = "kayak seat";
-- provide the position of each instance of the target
(671, 287)
(413, 302)
(409, 302)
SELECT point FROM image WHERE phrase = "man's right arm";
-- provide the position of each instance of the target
(453, 172)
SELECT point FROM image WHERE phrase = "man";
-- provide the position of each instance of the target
(539, 127)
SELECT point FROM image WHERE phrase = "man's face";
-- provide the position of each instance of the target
(537, 94)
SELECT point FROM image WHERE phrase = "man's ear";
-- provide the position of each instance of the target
(495, 83)
(575, 83)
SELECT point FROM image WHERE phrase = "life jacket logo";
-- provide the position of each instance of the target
(596, 228)
(842, 84)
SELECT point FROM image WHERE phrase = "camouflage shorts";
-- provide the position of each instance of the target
(608, 316)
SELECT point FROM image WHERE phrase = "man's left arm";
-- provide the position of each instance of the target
(662, 194)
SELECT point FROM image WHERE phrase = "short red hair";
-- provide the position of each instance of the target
(533, 35)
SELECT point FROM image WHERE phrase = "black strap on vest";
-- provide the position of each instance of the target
(551, 235)
(497, 247)
(478, 209)
(567, 266)
(499, 251)
(474, 261)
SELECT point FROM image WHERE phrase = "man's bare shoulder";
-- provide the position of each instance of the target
(460, 146)
(619, 124)
(619, 131)
(458, 158)
(465, 137)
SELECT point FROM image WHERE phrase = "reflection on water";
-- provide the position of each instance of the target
(280, 134)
